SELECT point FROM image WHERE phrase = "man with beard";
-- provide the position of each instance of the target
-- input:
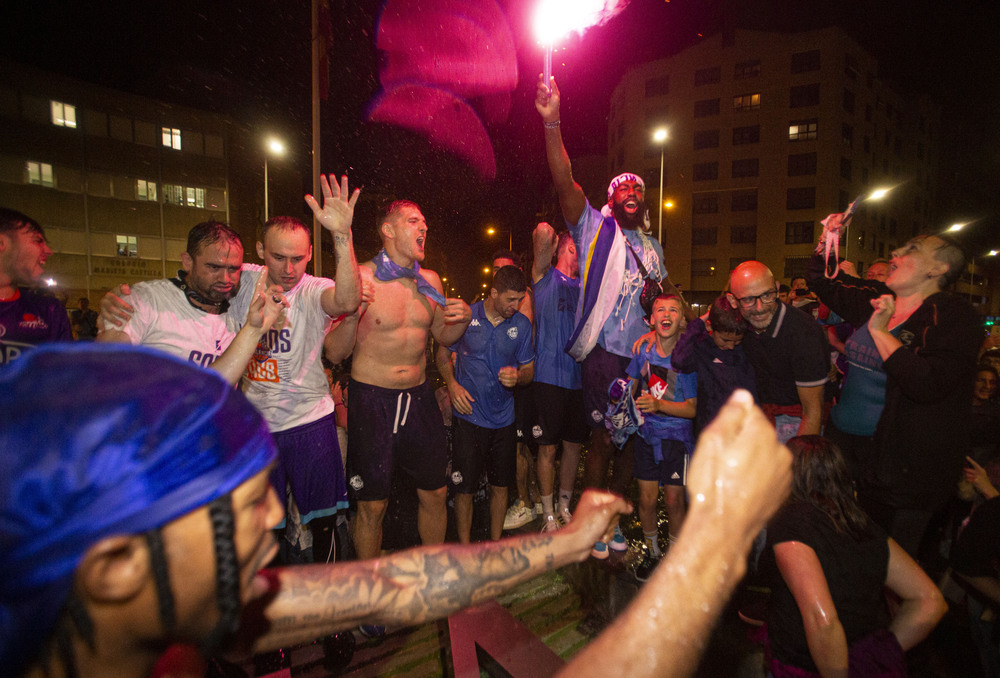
(617, 258)
(393, 419)
(187, 316)
(157, 517)
(787, 348)
(26, 317)
(495, 354)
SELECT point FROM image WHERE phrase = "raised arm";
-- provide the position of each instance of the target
(739, 476)
(336, 216)
(420, 584)
(571, 197)
(544, 242)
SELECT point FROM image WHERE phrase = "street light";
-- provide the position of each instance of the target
(277, 148)
(660, 137)
(875, 195)
(491, 231)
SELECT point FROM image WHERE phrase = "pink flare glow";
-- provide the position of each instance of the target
(464, 45)
(446, 120)
(556, 18)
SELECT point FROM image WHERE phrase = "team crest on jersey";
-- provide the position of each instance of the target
(456, 478)
(536, 431)
(512, 333)
(357, 483)
(596, 416)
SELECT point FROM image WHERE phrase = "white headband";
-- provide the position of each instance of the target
(626, 176)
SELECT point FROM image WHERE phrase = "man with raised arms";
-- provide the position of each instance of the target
(394, 419)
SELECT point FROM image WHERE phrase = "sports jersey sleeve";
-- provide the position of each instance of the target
(144, 316)
(811, 360)
(526, 347)
(687, 385)
(635, 366)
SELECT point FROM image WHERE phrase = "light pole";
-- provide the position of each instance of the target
(660, 137)
(277, 148)
(491, 230)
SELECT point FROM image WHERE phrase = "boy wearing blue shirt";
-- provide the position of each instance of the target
(666, 437)
(495, 354)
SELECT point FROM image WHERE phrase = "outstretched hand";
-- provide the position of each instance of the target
(337, 211)
(595, 516)
(547, 99)
(115, 311)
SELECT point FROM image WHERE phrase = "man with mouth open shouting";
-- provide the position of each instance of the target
(142, 515)
(617, 257)
(394, 418)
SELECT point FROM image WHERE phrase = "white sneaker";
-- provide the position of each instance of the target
(550, 524)
(518, 515)
(565, 517)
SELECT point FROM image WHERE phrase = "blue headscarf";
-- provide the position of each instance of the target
(99, 440)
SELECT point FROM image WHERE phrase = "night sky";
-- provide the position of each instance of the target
(251, 60)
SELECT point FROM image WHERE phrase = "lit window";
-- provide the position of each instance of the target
(746, 102)
(195, 197)
(173, 194)
(40, 174)
(145, 190)
(172, 138)
(799, 130)
(63, 115)
(127, 246)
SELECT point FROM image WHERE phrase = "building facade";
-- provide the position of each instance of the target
(767, 134)
(116, 180)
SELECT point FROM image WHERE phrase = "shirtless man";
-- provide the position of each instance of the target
(394, 417)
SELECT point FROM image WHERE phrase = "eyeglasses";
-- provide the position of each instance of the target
(750, 302)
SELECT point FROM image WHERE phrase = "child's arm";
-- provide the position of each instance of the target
(684, 409)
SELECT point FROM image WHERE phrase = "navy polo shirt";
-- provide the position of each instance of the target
(482, 351)
(793, 351)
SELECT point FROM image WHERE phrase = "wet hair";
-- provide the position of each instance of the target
(209, 233)
(12, 220)
(820, 478)
(953, 253)
(725, 318)
(389, 210)
(283, 223)
(565, 240)
(504, 254)
(509, 279)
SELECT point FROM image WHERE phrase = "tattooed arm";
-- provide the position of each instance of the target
(417, 585)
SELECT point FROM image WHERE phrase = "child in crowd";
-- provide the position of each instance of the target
(712, 349)
(666, 437)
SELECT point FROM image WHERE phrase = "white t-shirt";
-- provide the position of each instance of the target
(285, 379)
(164, 319)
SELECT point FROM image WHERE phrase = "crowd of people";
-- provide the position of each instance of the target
(109, 525)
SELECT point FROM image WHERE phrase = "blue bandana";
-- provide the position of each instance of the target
(386, 269)
(100, 440)
(623, 418)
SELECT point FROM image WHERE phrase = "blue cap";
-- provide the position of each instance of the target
(100, 440)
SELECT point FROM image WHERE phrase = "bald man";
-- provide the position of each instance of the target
(788, 350)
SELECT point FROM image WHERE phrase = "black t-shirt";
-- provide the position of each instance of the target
(793, 351)
(977, 551)
(855, 573)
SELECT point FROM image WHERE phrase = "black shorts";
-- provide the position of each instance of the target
(671, 471)
(560, 417)
(475, 448)
(599, 369)
(524, 411)
(388, 427)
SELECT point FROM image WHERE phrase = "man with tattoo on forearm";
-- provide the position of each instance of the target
(157, 513)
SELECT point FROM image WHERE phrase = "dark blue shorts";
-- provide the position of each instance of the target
(598, 370)
(558, 415)
(476, 448)
(387, 427)
(671, 471)
(309, 461)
